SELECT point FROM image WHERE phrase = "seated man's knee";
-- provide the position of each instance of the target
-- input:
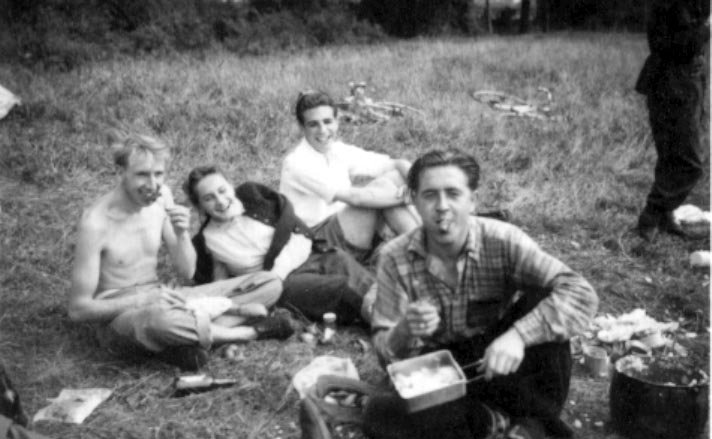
(269, 286)
(389, 180)
(394, 177)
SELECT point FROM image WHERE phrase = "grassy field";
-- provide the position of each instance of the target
(575, 184)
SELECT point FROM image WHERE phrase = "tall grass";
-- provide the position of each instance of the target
(583, 176)
(237, 111)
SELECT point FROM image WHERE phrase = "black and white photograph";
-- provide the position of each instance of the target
(354, 219)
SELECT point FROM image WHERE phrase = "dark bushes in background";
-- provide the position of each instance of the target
(408, 18)
(65, 33)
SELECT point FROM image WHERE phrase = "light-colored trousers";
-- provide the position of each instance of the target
(163, 325)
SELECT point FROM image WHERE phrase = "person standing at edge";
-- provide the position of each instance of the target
(484, 290)
(673, 81)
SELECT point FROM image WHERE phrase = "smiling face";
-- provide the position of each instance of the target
(216, 197)
(445, 203)
(143, 177)
(320, 127)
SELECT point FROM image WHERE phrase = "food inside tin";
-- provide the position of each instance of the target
(667, 371)
(424, 380)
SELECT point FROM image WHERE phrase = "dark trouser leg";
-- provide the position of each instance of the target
(340, 262)
(537, 390)
(675, 124)
(327, 282)
(385, 417)
(539, 387)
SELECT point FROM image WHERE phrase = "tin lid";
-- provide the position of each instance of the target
(329, 317)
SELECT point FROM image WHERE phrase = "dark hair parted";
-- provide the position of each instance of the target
(194, 177)
(311, 99)
(452, 157)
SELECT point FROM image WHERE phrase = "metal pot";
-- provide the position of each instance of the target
(645, 410)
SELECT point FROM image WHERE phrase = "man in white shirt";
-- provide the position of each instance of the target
(317, 177)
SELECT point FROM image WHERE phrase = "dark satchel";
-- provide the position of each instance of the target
(12, 418)
(333, 401)
(10, 406)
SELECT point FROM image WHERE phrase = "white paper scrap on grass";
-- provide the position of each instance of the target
(691, 214)
(322, 365)
(72, 405)
(7, 101)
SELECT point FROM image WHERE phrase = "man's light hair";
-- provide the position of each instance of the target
(127, 145)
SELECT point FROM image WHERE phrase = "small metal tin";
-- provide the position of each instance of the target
(432, 361)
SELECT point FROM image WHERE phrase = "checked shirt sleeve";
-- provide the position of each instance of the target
(390, 341)
(565, 312)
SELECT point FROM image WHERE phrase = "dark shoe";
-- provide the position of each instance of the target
(557, 428)
(647, 227)
(278, 327)
(648, 233)
(525, 428)
(187, 358)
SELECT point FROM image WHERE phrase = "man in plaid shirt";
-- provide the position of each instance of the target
(484, 290)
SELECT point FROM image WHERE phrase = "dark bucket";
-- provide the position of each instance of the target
(644, 410)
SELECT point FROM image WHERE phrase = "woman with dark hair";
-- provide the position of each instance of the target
(318, 174)
(253, 228)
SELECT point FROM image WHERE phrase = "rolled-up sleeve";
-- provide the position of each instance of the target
(293, 254)
(570, 306)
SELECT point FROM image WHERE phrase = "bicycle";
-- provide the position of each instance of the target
(359, 108)
(512, 106)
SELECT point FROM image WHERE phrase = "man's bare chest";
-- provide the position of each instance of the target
(131, 240)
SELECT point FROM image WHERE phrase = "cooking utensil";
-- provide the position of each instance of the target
(432, 361)
(645, 410)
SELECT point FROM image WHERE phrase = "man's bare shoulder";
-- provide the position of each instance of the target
(95, 217)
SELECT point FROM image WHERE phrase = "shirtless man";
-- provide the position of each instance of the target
(115, 281)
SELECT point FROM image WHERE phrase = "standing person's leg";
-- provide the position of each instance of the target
(675, 122)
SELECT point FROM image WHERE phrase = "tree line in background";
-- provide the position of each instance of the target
(64, 33)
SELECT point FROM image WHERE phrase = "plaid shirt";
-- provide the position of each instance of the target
(498, 261)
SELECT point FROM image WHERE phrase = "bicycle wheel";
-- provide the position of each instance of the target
(398, 109)
(498, 100)
(508, 105)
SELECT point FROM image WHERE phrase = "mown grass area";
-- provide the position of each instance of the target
(575, 183)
